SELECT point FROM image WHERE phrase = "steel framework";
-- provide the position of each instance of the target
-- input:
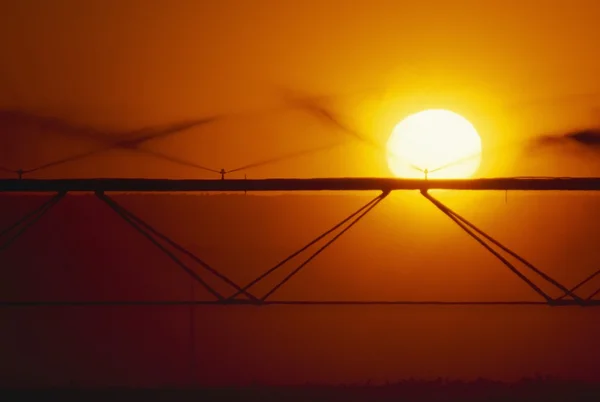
(243, 295)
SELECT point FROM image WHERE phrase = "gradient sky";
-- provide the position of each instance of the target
(515, 69)
(512, 68)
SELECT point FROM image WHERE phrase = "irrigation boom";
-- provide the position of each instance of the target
(562, 295)
(310, 184)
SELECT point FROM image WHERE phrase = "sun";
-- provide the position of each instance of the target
(434, 143)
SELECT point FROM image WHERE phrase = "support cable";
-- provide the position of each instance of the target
(288, 258)
(590, 297)
(28, 221)
(27, 216)
(509, 251)
(177, 246)
(168, 253)
(7, 170)
(329, 243)
(107, 148)
(132, 142)
(284, 157)
(507, 263)
(580, 284)
(179, 161)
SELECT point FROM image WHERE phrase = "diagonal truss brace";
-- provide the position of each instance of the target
(17, 229)
(591, 297)
(151, 233)
(177, 246)
(477, 234)
(580, 284)
(14, 231)
(349, 221)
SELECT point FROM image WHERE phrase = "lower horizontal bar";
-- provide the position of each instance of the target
(315, 184)
(8, 304)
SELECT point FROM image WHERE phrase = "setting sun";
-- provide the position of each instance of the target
(434, 143)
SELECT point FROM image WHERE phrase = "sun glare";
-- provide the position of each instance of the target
(434, 143)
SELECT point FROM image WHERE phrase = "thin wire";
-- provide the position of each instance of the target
(325, 246)
(179, 161)
(175, 245)
(507, 263)
(248, 166)
(590, 297)
(7, 170)
(580, 284)
(183, 162)
(65, 160)
(314, 241)
(28, 216)
(456, 162)
(130, 144)
(507, 250)
(168, 253)
(39, 214)
(499, 147)
(288, 156)
(329, 118)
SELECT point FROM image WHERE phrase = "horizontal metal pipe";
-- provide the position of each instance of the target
(309, 184)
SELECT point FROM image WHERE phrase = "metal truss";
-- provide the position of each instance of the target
(243, 295)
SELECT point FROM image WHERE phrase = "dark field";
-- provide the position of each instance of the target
(411, 390)
(83, 251)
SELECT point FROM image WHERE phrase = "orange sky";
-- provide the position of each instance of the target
(508, 66)
(514, 69)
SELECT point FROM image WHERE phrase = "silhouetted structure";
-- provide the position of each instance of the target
(243, 294)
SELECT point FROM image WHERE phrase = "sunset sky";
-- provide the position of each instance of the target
(515, 69)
